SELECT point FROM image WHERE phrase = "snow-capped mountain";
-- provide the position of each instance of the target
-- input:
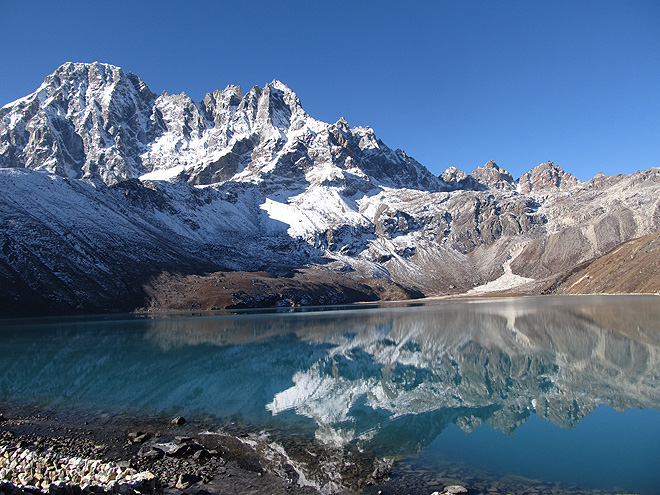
(109, 191)
(93, 121)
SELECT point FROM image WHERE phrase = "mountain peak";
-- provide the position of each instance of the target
(70, 67)
(492, 176)
(277, 84)
(453, 174)
(546, 177)
(289, 96)
(234, 89)
(95, 72)
(457, 179)
(93, 128)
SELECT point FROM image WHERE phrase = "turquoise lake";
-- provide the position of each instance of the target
(552, 388)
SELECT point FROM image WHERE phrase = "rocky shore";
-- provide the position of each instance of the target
(52, 473)
(59, 454)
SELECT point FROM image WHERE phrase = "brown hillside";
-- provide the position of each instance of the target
(633, 267)
(305, 287)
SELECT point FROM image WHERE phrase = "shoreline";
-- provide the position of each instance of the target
(450, 298)
(181, 457)
(191, 459)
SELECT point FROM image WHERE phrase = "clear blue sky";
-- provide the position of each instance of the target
(450, 82)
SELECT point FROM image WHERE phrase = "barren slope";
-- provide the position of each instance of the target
(633, 267)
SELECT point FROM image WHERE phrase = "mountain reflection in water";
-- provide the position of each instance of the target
(391, 378)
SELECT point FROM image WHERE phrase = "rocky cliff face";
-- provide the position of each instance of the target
(107, 187)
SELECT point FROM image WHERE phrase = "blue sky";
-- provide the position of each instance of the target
(451, 83)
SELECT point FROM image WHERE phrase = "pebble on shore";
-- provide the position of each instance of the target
(54, 474)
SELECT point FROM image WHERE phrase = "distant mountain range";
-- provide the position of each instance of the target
(113, 198)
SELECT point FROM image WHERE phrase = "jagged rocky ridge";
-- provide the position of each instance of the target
(107, 187)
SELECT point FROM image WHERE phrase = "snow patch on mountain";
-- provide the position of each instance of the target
(507, 281)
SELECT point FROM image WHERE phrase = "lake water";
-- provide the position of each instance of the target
(559, 389)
